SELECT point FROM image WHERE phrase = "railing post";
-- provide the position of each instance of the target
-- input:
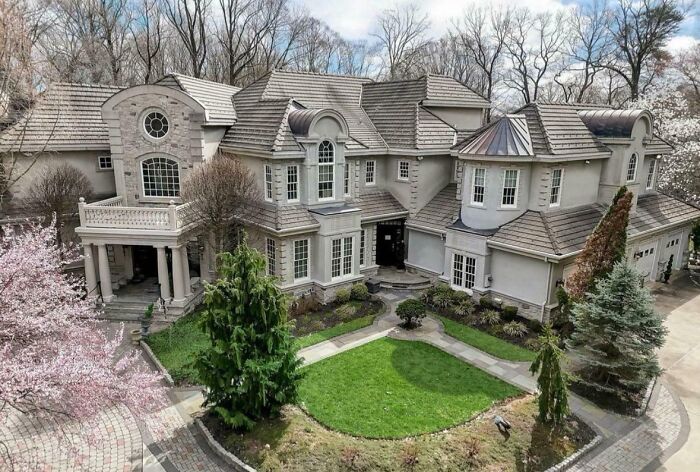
(172, 215)
(81, 210)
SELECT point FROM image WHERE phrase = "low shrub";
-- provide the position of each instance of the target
(486, 303)
(343, 295)
(489, 318)
(351, 458)
(471, 447)
(412, 312)
(359, 291)
(510, 312)
(409, 455)
(315, 325)
(345, 312)
(304, 304)
(442, 299)
(427, 295)
(533, 344)
(535, 326)
(465, 308)
(515, 329)
(458, 296)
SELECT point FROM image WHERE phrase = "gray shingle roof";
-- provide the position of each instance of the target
(65, 117)
(440, 212)
(658, 146)
(507, 136)
(216, 98)
(284, 217)
(447, 91)
(377, 204)
(565, 231)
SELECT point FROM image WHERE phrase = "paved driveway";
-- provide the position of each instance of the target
(680, 357)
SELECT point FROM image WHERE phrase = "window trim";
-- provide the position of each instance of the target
(145, 115)
(363, 248)
(343, 255)
(99, 163)
(651, 174)
(473, 188)
(156, 198)
(347, 188)
(271, 243)
(296, 183)
(517, 187)
(634, 158)
(269, 186)
(560, 187)
(408, 170)
(330, 165)
(294, 259)
(374, 173)
(462, 273)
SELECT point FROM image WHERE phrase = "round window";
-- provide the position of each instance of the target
(156, 124)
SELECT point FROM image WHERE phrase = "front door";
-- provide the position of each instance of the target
(390, 243)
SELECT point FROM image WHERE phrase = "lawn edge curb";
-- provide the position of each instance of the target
(154, 359)
(576, 456)
(219, 450)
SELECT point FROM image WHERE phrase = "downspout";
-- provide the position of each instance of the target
(549, 286)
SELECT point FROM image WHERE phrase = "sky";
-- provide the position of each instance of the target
(354, 19)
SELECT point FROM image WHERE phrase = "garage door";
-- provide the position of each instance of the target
(673, 247)
(646, 257)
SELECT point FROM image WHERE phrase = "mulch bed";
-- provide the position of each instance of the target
(332, 314)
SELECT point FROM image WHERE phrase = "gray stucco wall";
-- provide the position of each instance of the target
(425, 251)
(519, 276)
(579, 184)
(460, 118)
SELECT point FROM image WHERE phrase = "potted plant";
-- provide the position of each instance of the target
(135, 337)
(146, 320)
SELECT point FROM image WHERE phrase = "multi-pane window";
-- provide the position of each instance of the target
(632, 168)
(362, 248)
(510, 188)
(326, 158)
(370, 168)
(104, 162)
(292, 183)
(161, 177)
(478, 186)
(403, 170)
(268, 183)
(341, 257)
(301, 259)
(156, 124)
(555, 190)
(463, 271)
(271, 251)
(346, 181)
(651, 174)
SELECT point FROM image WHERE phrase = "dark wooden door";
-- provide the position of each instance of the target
(390, 243)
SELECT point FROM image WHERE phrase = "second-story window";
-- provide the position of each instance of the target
(292, 183)
(478, 186)
(509, 198)
(326, 162)
(370, 167)
(403, 170)
(555, 190)
(161, 177)
(651, 174)
(346, 181)
(268, 183)
(632, 168)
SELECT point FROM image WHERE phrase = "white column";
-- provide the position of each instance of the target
(128, 263)
(105, 276)
(204, 262)
(119, 265)
(186, 272)
(90, 274)
(163, 278)
(178, 279)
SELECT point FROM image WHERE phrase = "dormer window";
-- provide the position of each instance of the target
(651, 174)
(326, 162)
(632, 168)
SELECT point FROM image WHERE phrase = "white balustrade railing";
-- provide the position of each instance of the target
(111, 213)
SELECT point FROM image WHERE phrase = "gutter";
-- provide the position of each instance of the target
(549, 288)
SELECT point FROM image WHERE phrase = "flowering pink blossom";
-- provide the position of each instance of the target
(54, 356)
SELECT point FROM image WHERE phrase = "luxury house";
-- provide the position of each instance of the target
(355, 175)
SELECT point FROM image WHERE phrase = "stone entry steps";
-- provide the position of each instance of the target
(394, 279)
(124, 310)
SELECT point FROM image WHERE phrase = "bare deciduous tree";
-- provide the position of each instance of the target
(189, 19)
(221, 192)
(147, 32)
(402, 35)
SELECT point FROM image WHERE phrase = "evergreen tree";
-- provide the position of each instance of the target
(250, 368)
(616, 335)
(604, 247)
(552, 381)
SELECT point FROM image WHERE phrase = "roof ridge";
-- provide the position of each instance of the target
(321, 74)
(283, 122)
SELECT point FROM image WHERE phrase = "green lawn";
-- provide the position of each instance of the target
(337, 330)
(485, 342)
(390, 389)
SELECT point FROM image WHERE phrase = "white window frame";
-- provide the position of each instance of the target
(460, 276)
(483, 187)
(105, 159)
(373, 173)
(634, 159)
(346, 180)
(306, 260)
(343, 259)
(330, 166)
(271, 253)
(516, 188)
(651, 175)
(293, 186)
(363, 248)
(400, 171)
(558, 187)
(268, 177)
(176, 193)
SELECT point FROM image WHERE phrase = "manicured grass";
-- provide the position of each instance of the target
(390, 389)
(337, 330)
(178, 345)
(485, 342)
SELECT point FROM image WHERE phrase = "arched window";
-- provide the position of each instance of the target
(156, 124)
(161, 177)
(326, 158)
(632, 168)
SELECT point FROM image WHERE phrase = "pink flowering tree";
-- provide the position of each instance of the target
(54, 356)
(675, 122)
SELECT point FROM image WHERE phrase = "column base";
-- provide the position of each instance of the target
(109, 298)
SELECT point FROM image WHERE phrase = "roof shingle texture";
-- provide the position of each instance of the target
(377, 203)
(282, 217)
(440, 212)
(65, 117)
(216, 98)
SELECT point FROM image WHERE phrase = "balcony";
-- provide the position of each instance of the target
(112, 213)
